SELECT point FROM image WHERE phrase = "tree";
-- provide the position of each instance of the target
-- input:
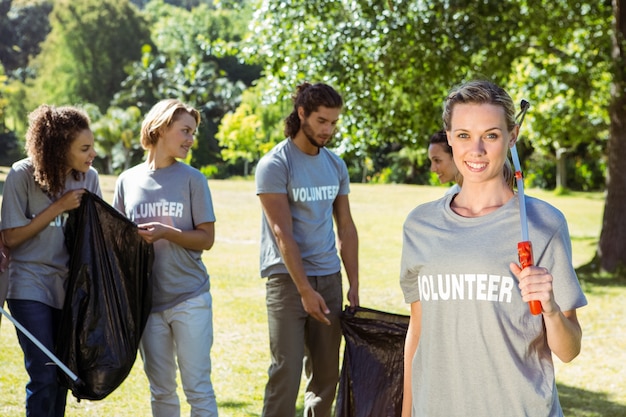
(143, 85)
(395, 61)
(83, 58)
(22, 28)
(9, 150)
(564, 74)
(197, 63)
(612, 245)
(254, 128)
(241, 137)
(117, 137)
(393, 66)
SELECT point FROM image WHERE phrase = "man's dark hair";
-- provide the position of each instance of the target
(310, 97)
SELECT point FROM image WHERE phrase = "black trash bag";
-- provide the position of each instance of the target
(372, 373)
(109, 297)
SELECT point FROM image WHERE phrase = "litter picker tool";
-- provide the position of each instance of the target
(524, 248)
(41, 346)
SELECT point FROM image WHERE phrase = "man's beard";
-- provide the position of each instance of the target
(310, 135)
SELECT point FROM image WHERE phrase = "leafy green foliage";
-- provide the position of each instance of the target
(565, 74)
(195, 62)
(393, 67)
(9, 147)
(22, 28)
(395, 61)
(83, 58)
(253, 129)
(117, 138)
(12, 124)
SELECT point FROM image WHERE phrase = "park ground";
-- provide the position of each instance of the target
(593, 385)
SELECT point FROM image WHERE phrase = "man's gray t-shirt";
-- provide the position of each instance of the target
(38, 269)
(178, 196)
(311, 182)
(481, 353)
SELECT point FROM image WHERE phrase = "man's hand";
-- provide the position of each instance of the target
(315, 306)
(353, 296)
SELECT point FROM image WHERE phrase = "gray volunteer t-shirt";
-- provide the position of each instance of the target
(39, 267)
(311, 182)
(179, 196)
(481, 353)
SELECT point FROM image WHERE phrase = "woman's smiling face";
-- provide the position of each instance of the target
(480, 140)
(178, 137)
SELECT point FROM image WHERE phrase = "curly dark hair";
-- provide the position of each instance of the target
(310, 97)
(50, 134)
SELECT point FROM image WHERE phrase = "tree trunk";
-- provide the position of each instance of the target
(561, 169)
(107, 164)
(612, 244)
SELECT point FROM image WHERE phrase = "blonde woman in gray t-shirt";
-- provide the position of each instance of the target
(473, 348)
(171, 204)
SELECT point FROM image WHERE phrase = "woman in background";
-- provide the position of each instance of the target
(442, 162)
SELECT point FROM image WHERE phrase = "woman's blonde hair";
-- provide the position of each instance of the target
(479, 92)
(160, 117)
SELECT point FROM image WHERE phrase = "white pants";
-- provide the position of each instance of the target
(184, 333)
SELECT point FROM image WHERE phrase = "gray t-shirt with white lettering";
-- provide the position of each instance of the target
(178, 196)
(481, 353)
(39, 267)
(311, 182)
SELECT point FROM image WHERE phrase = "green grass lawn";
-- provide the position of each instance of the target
(592, 385)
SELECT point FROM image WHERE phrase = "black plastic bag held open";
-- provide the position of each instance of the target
(372, 373)
(108, 298)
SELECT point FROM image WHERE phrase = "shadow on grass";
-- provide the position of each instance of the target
(591, 274)
(574, 401)
(236, 405)
(580, 403)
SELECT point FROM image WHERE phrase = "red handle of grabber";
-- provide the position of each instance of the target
(525, 255)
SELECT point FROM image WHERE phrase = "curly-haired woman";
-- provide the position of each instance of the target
(38, 193)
